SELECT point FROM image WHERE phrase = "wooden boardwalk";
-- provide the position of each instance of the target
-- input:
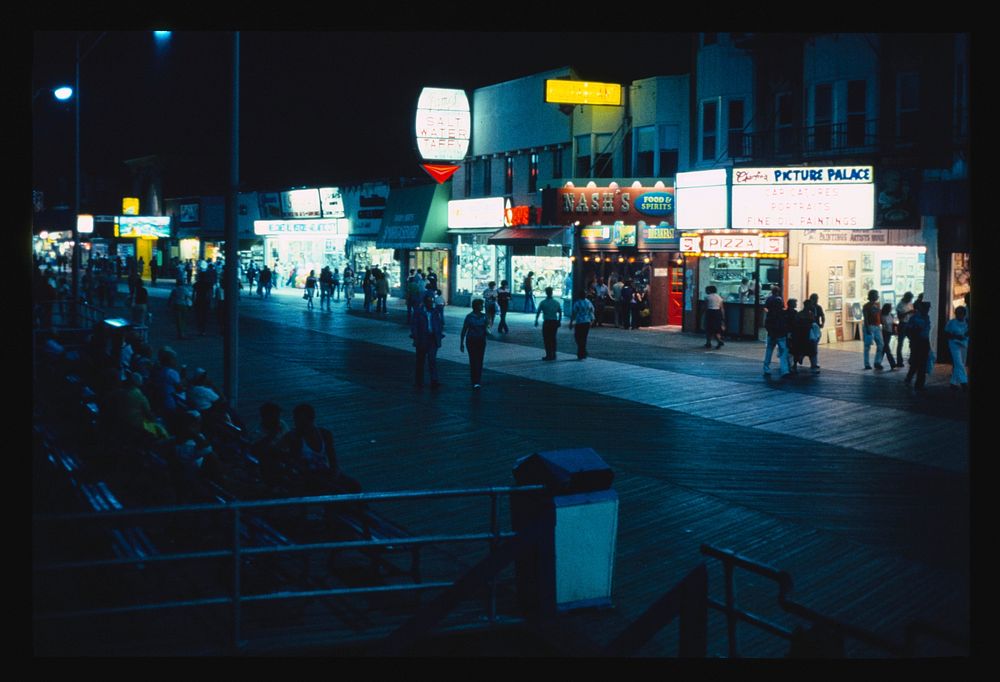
(848, 480)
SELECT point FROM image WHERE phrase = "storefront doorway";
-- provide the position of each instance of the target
(432, 259)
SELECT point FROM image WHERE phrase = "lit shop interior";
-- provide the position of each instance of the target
(843, 275)
(724, 260)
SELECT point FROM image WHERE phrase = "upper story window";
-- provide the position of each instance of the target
(644, 140)
(508, 176)
(736, 124)
(533, 172)
(907, 106)
(822, 137)
(468, 178)
(582, 156)
(557, 162)
(709, 130)
(857, 113)
(603, 163)
(670, 136)
(784, 123)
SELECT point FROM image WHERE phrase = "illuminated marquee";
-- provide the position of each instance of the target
(143, 226)
(835, 197)
(630, 205)
(443, 125)
(583, 92)
(273, 228)
(744, 244)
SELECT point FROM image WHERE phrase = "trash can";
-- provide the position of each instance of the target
(578, 512)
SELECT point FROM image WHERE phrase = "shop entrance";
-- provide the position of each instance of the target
(436, 260)
(675, 298)
(144, 250)
(843, 275)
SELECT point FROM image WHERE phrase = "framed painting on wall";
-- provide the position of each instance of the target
(885, 278)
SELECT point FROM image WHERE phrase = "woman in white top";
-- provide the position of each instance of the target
(714, 311)
(957, 333)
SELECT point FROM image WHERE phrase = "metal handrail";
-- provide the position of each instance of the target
(237, 551)
(837, 629)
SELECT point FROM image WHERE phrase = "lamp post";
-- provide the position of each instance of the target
(231, 273)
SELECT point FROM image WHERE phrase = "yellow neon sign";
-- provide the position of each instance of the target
(583, 92)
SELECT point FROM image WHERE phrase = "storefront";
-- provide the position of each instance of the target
(843, 266)
(724, 259)
(626, 233)
(471, 223)
(138, 237)
(298, 246)
(415, 225)
(543, 251)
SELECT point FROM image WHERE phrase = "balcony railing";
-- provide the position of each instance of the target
(857, 136)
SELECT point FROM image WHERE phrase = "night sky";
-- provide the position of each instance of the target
(316, 107)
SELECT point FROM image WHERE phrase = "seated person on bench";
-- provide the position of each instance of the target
(308, 450)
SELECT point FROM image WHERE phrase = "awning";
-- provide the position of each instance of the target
(527, 236)
(416, 218)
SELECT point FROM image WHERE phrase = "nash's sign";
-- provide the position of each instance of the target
(606, 204)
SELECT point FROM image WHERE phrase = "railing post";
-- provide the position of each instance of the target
(731, 608)
(236, 578)
(494, 543)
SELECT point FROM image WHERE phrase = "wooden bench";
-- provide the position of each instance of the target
(364, 524)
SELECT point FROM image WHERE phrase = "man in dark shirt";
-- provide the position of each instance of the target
(777, 331)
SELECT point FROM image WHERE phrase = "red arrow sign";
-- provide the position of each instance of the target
(440, 171)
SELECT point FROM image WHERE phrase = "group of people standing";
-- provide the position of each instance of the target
(794, 333)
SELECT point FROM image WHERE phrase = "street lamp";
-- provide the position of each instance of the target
(65, 93)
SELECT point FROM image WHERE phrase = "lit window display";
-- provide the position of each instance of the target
(304, 255)
(364, 255)
(550, 271)
(477, 265)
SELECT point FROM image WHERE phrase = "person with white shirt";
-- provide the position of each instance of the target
(714, 317)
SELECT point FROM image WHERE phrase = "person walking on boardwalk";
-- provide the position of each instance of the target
(490, 297)
(775, 323)
(325, 288)
(904, 311)
(381, 292)
(581, 315)
(427, 330)
(872, 315)
(529, 293)
(957, 333)
(265, 282)
(348, 285)
(202, 302)
(625, 296)
(714, 317)
(335, 282)
(804, 334)
(601, 294)
(920, 344)
(503, 303)
(889, 327)
(310, 289)
(551, 310)
(474, 336)
(179, 303)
